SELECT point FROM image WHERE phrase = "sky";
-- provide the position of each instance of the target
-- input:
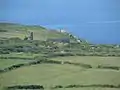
(97, 21)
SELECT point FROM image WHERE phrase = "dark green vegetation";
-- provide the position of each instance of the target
(59, 86)
(57, 49)
(46, 64)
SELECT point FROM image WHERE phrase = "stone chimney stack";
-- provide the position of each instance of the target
(31, 36)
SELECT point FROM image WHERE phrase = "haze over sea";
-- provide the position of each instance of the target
(97, 21)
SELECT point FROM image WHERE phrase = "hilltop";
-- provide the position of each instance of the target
(11, 30)
(16, 30)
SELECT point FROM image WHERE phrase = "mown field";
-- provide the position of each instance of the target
(50, 75)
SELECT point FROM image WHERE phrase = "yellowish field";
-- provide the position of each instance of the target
(92, 60)
(50, 75)
(9, 62)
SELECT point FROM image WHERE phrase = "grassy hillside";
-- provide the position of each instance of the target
(55, 66)
(8, 30)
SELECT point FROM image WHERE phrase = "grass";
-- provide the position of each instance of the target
(92, 60)
(51, 74)
(8, 62)
(17, 30)
(22, 55)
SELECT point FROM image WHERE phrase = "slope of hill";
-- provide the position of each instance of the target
(8, 30)
(26, 64)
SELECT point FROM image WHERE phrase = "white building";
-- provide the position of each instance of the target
(62, 31)
(78, 41)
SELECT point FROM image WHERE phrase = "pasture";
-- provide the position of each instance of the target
(9, 62)
(50, 75)
(91, 60)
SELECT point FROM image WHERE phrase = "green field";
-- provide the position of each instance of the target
(91, 60)
(21, 55)
(18, 58)
(9, 62)
(50, 75)
(52, 64)
(18, 30)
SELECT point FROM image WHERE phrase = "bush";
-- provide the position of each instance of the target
(58, 86)
(25, 87)
(1, 30)
(108, 67)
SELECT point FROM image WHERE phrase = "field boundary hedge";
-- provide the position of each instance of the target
(46, 61)
(80, 54)
(40, 87)
(108, 67)
(32, 87)
(87, 86)
(16, 58)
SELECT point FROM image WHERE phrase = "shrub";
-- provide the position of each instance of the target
(25, 87)
(108, 67)
(58, 86)
(1, 30)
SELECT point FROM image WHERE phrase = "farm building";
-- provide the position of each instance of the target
(62, 31)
